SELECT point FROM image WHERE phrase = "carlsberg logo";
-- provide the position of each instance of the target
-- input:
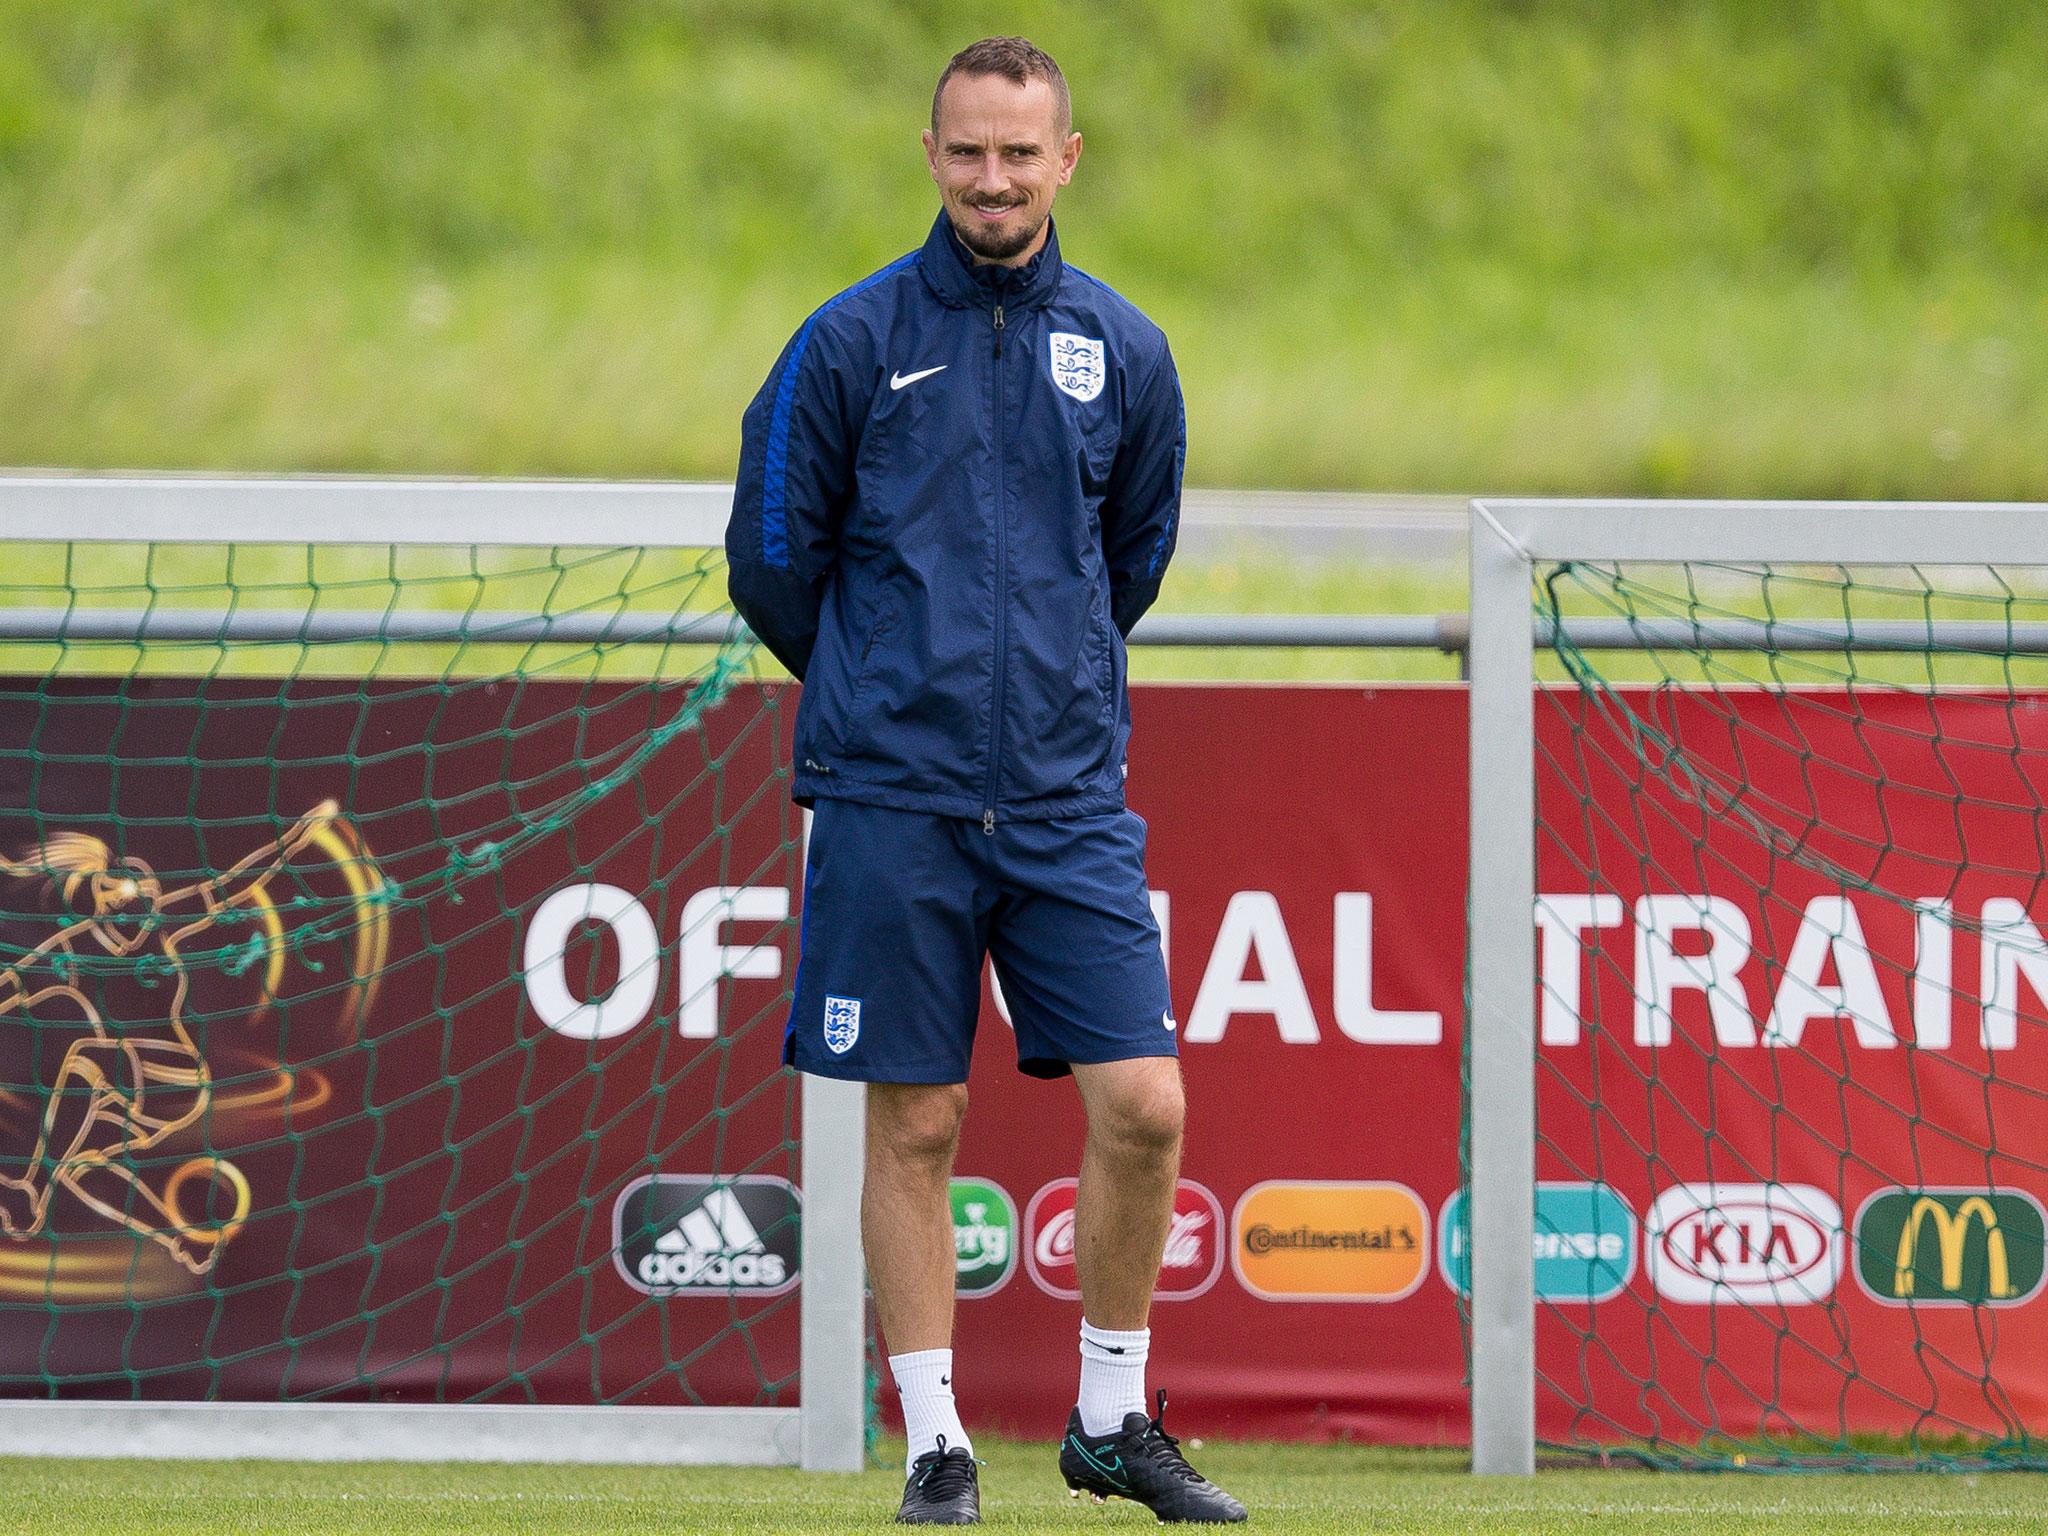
(984, 1236)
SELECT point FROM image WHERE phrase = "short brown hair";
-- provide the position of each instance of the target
(1016, 59)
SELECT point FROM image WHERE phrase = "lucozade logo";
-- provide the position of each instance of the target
(1584, 1248)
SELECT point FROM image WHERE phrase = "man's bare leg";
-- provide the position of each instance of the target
(906, 1218)
(1129, 1167)
(1122, 1212)
(1124, 1209)
(906, 1221)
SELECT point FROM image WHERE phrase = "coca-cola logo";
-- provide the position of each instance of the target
(1194, 1247)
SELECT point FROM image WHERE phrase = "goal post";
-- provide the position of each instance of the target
(396, 920)
(1753, 963)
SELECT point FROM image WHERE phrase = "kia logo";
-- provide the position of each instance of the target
(1772, 1243)
(1746, 1240)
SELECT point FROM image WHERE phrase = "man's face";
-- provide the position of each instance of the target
(999, 159)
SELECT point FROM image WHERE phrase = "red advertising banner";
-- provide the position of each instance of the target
(1789, 1082)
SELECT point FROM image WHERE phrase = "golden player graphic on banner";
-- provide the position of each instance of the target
(137, 1077)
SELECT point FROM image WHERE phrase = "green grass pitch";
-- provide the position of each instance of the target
(1301, 1489)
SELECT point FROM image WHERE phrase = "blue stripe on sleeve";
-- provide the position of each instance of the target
(1180, 457)
(775, 472)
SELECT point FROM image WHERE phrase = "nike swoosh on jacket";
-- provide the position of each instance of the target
(899, 380)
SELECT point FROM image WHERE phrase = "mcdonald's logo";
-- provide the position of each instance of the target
(1950, 1247)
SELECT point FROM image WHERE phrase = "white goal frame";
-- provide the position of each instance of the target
(1509, 538)
(827, 1432)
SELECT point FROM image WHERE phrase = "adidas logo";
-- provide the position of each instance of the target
(714, 1246)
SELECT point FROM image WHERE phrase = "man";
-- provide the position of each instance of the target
(957, 492)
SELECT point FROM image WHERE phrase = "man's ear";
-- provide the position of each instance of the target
(931, 154)
(1070, 155)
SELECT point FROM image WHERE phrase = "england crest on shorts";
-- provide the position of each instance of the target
(1077, 364)
(842, 1023)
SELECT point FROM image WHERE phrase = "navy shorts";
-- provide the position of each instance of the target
(900, 907)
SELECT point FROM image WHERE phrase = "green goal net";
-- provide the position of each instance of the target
(1791, 1064)
(392, 959)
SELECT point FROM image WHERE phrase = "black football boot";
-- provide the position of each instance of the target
(944, 1489)
(1142, 1462)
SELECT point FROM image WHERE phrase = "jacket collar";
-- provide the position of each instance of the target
(951, 273)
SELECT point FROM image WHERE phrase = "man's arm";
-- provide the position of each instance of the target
(796, 472)
(1141, 513)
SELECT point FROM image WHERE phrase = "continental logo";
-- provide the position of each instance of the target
(1317, 1241)
(1950, 1247)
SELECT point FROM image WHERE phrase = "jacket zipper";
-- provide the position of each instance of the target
(995, 744)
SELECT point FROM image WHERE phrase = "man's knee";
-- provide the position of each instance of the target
(1142, 1120)
(916, 1122)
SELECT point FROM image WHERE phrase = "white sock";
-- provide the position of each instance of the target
(1112, 1376)
(924, 1380)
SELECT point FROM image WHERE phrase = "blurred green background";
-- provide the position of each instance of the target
(1738, 248)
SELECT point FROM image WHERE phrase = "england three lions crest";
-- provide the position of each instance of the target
(842, 1023)
(1077, 364)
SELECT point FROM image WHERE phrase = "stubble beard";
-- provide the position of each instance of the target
(991, 246)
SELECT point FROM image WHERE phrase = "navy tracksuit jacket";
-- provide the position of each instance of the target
(958, 490)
